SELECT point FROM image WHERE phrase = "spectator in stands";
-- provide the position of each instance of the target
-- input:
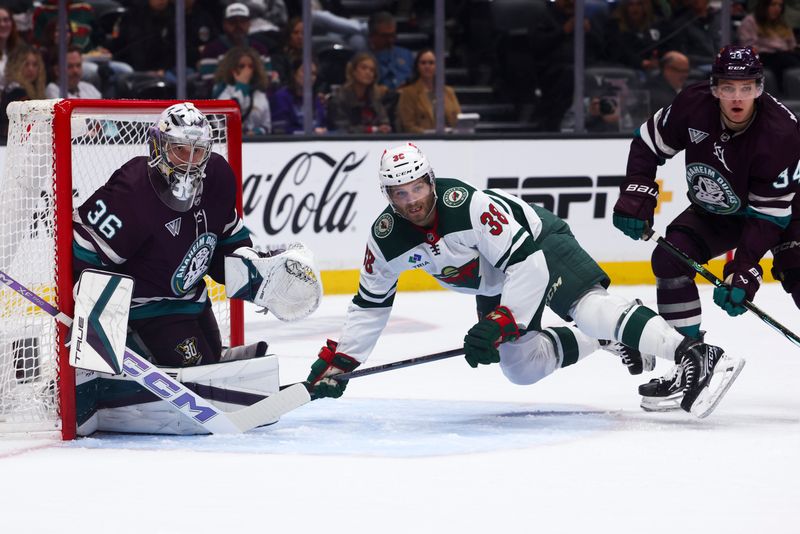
(291, 51)
(146, 39)
(241, 77)
(697, 33)
(201, 29)
(552, 42)
(76, 87)
(670, 81)
(287, 104)
(350, 31)
(356, 107)
(767, 31)
(633, 35)
(394, 62)
(9, 40)
(415, 111)
(84, 31)
(25, 78)
(267, 20)
(236, 32)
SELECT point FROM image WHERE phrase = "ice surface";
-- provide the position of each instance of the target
(445, 448)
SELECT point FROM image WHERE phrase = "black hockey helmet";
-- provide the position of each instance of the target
(737, 63)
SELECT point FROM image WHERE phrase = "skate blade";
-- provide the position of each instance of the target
(724, 375)
(670, 403)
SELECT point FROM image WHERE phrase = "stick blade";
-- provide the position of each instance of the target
(269, 410)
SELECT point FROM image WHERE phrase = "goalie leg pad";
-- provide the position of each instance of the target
(121, 405)
(100, 326)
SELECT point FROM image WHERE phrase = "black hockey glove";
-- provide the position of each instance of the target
(482, 340)
(741, 283)
(635, 207)
(329, 363)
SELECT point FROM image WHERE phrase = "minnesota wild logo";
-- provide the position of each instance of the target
(383, 226)
(454, 197)
(467, 275)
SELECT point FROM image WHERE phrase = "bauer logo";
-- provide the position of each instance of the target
(563, 195)
(311, 192)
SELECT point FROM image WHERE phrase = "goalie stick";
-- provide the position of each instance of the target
(708, 275)
(180, 397)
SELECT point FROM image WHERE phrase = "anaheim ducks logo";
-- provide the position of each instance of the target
(454, 197)
(195, 264)
(383, 226)
(467, 275)
(709, 188)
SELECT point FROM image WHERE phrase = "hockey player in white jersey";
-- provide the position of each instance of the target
(516, 258)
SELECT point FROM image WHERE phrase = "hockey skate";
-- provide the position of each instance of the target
(635, 361)
(698, 382)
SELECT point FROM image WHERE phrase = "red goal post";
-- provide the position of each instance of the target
(58, 152)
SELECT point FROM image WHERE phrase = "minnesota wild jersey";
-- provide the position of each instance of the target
(481, 242)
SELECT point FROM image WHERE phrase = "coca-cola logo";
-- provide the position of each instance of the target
(310, 190)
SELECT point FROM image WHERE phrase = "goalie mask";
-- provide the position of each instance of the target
(180, 146)
(403, 165)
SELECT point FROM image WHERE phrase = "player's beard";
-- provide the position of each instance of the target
(420, 213)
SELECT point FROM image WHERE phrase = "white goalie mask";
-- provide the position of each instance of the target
(180, 146)
(402, 165)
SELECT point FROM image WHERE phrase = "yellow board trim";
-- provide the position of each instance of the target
(621, 273)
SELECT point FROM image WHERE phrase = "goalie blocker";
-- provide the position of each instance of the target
(284, 279)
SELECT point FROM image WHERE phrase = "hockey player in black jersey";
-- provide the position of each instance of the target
(741, 147)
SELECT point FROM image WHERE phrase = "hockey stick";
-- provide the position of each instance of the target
(708, 275)
(398, 365)
(177, 395)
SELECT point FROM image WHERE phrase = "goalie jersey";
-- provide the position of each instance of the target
(481, 243)
(752, 173)
(124, 227)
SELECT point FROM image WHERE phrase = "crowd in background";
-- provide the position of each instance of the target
(638, 55)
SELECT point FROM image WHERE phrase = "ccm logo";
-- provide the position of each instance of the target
(637, 188)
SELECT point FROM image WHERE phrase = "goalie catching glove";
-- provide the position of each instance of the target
(283, 280)
(482, 340)
(329, 363)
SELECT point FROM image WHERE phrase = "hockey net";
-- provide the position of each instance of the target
(58, 153)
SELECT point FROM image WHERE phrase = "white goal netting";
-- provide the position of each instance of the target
(34, 205)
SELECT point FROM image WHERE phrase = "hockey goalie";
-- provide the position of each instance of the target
(142, 245)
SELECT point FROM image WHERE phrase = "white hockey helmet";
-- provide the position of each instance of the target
(180, 147)
(404, 164)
